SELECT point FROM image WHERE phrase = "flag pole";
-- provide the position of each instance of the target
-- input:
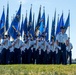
(69, 24)
(22, 28)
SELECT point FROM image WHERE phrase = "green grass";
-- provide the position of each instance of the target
(38, 69)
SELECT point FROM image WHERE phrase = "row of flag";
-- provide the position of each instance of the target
(26, 26)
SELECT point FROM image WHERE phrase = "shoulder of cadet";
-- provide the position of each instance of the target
(71, 44)
(58, 34)
(66, 34)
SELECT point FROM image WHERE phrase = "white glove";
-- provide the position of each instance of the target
(32, 48)
(59, 47)
(66, 48)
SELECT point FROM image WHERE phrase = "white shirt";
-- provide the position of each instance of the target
(39, 44)
(61, 37)
(12, 48)
(56, 47)
(39, 51)
(53, 47)
(7, 43)
(69, 47)
(23, 47)
(46, 43)
(31, 43)
(1, 47)
(43, 45)
(27, 45)
(35, 44)
(48, 48)
(18, 43)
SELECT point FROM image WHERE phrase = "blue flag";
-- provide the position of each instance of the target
(53, 27)
(25, 25)
(39, 17)
(67, 23)
(2, 23)
(30, 19)
(32, 32)
(38, 23)
(22, 26)
(7, 18)
(47, 30)
(30, 16)
(13, 31)
(41, 28)
(42, 22)
(58, 26)
(61, 22)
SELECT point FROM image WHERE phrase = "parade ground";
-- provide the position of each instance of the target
(30, 69)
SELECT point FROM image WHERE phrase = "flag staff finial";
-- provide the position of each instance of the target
(31, 5)
(43, 7)
(40, 5)
(26, 11)
(20, 2)
(3, 7)
(69, 10)
(7, 2)
(62, 11)
(58, 15)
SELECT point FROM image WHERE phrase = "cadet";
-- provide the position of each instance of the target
(8, 50)
(47, 54)
(1, 47)
(42, 48)
(39, 55)
(69, 52)
(53, 51)
(11, 48)
(23, 52)
(30, 51)
(32, 42)
(61, 40)
(27, 60)
(17, 51)
(5, 49)
(35, 51)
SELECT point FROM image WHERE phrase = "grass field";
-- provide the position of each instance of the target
(38, 69)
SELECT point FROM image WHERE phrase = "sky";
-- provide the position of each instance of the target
(50, 6)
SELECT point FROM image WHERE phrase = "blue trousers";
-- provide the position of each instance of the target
(69, 55)
(62, 54)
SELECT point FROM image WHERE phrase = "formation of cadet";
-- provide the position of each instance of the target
(36, 51)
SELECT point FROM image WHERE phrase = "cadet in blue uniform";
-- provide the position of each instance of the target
(26, 49)
(23, 54)
(8, 50)
(5, 49)
(42, 48)
(1, 47)
(53, 51)
(61, 40)
(17, 51)
(11, 48)
(69, 52)
(32, 42)
(35, 51)
(47, 54)
(39, 60)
